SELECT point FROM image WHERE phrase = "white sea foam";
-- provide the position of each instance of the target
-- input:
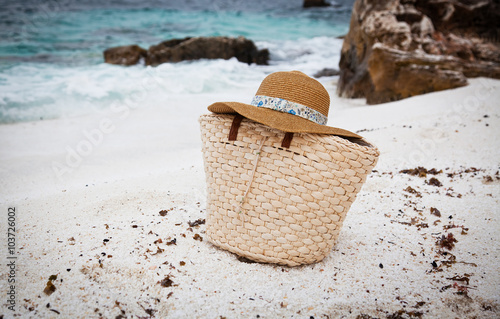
(31, 91)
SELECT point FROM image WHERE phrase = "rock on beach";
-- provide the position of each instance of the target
(396, 49)
(315, 3)
(124, 55)
(176, 50)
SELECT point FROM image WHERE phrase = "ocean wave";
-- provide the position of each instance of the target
(30, 91)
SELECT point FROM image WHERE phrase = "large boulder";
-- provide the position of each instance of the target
(176, 50)
(315, 3)
(124, 55)
(398, 74)
(400, 48)
(206, 48)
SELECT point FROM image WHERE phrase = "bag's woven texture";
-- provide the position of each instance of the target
(277, 205)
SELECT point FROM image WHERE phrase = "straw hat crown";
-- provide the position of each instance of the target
(290, 102)
(296, 87)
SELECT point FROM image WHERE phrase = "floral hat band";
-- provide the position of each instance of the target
(285, 106)
(289, 101)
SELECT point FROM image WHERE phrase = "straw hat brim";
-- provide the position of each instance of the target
(278, 120)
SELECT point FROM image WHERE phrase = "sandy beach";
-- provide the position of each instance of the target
(109, 211)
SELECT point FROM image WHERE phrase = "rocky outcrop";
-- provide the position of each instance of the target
(315, 3)
(326, 72)
(398, 74)
(177, 50)
(124, 55)
(400, 48)
(206, 48)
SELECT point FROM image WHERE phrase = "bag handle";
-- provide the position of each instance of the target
(233, 132)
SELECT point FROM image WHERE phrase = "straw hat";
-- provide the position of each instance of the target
(290, 102)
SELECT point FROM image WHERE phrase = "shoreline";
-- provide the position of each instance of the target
(101, 220)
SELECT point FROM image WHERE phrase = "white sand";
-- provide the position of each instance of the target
(95, 225)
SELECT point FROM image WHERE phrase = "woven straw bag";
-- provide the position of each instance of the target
(274, 204)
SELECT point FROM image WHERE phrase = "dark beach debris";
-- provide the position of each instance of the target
(415, 221)
(122, 312)
(451, 226)
(170, 294)
(197, 237)
(164, 212)
(450, 194)
(400, 314)
(196, 223)
(420, 171)
(158, 241)
(381, 266)
(469, 170)
(435, 212)
(465, 278)
(167, 282)
(434, 182)
(447, 241)
(150, 311)
(460, 290)
(53, 310)
(488, 179)
(172, 242)
(371, 130)
(411, 190)
(182, 263)
(50, 288)
(450, 261)
(158, 251)
(420, 304)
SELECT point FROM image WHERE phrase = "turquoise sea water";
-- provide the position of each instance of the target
(51, 62)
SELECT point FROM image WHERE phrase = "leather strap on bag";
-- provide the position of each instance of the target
(233, 132)
(287, 140)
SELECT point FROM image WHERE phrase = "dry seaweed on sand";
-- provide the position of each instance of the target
(167, 282)
(196, 222)
(164, 212)
(50, 288)
(434, 182)
(447, 241)
(411, 190)
(420, 171)
(435, 212)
